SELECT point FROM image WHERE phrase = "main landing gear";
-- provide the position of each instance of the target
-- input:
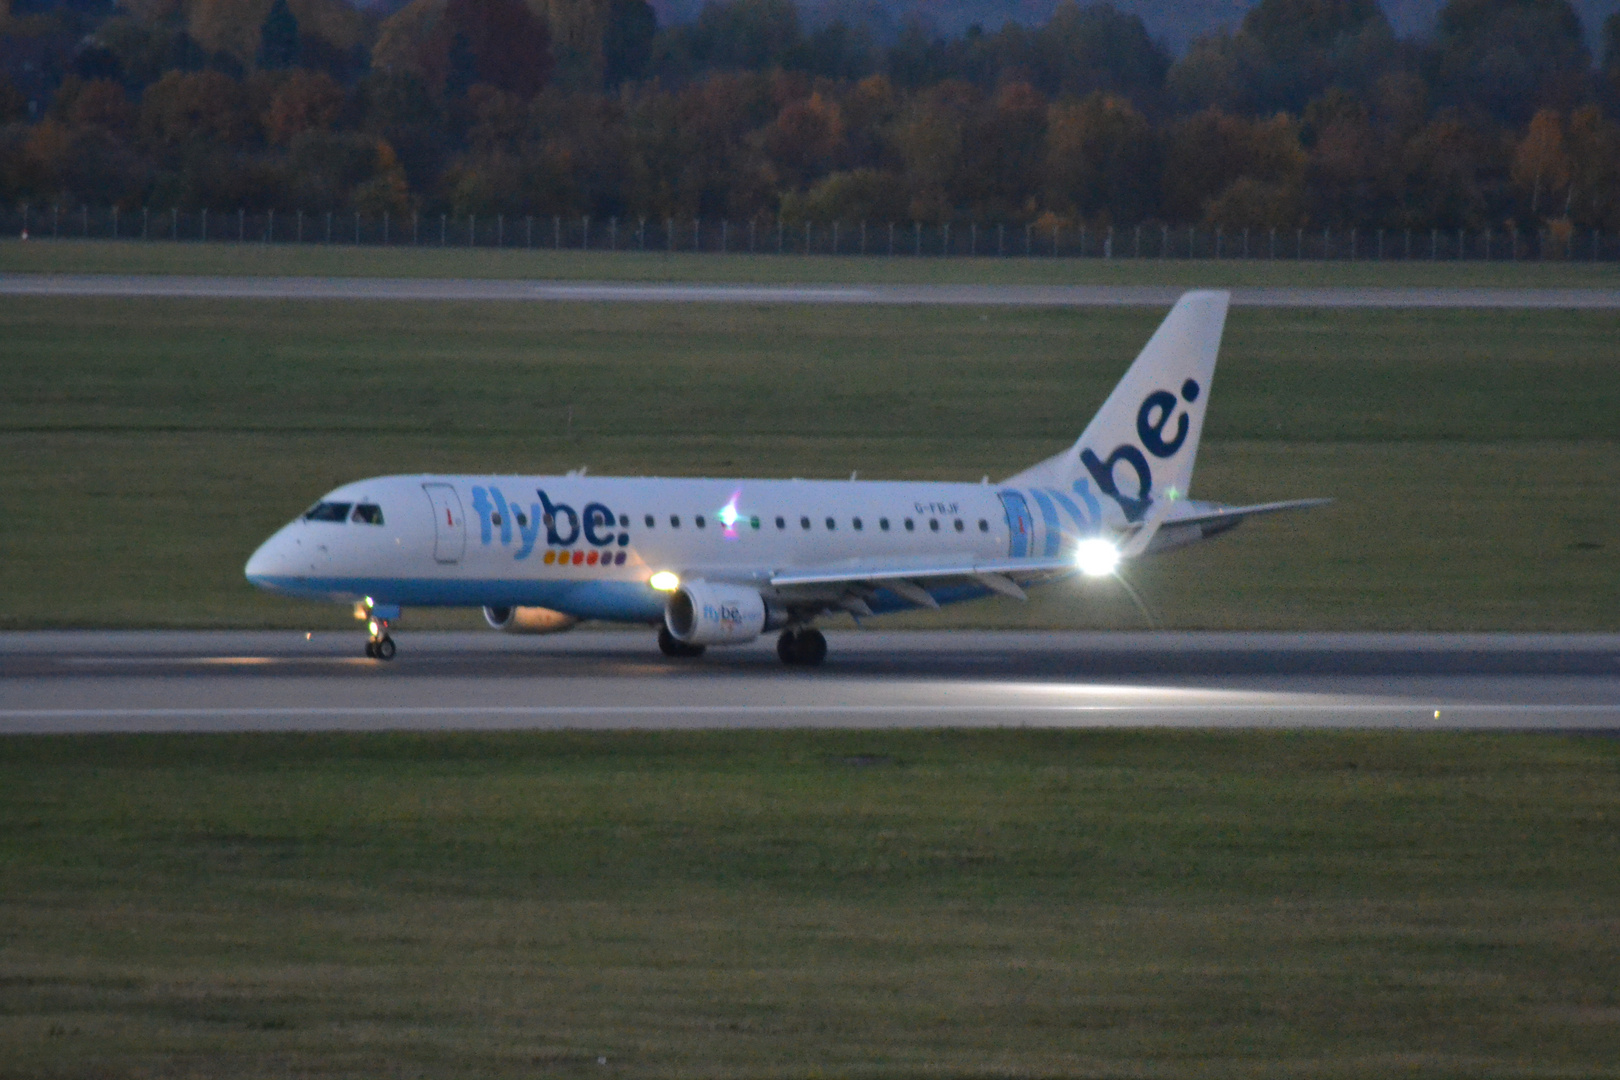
(801, 648)
(379, 646)
(670, 645)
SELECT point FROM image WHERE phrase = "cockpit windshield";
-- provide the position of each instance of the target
(367, 514)
(328, 511)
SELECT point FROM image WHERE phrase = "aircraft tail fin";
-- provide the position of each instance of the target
(1142, 443)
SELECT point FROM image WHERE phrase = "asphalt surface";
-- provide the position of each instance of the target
(60, 682)
(308, 288)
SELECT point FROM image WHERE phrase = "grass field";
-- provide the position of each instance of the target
(810, 904)
(107, 257)
(147, 446)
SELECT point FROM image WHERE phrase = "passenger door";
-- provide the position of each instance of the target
(449, 526)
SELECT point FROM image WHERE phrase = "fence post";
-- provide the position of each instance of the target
(416, 227)
(973, 239)
(145, 211)
(241, 223)
(444, 220)
(472, 230)
(1380, 245)
(779, 236)
(1029, 240)
(697, 234)
(528, 230)
(891, 239)
(1352, 245)
(1299, 246)
(1192, 240)
(725, 235)
(270, 227)
(669, 234)
(753, 225)
(917, 226)
(1434, 244)
(1218, 239)
(177, 223)
(300, 231)
(807, 238)
(945, 243)
(1327, 246)
(84, 227)
(1001, 239)
(1164, 241)
(1108, 244)
(556, 232)
(863, 236)
(585, 233)
(115, 221)
(56, 215)
(203, 231)
(500, 230)
(835, 238)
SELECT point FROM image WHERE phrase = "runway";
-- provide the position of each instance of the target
(420, 289)
(85, 682)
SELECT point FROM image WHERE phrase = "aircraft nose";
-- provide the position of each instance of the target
(273, 559)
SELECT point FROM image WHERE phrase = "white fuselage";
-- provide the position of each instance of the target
(587, 546)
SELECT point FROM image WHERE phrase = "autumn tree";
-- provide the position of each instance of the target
(1541, 161)
(1101, 159)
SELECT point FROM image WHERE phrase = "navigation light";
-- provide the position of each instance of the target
(664, 581)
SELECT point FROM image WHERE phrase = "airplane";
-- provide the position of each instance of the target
(721, 562)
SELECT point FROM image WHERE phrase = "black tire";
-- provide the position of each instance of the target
(810, 648)
(787, 648)
(385, 649)
(671, 646)
(371, 648)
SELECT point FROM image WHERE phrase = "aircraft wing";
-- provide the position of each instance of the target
(1205, 513)
(840, 573)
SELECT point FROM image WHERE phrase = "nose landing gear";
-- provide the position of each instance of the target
(379, 646)
(801, 648)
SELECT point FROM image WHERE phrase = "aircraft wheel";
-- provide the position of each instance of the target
(371, 648)
(787, 647)
(670, 645)
(810, 648)
(384, 649)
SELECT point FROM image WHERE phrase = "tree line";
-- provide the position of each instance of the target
(1312, 113)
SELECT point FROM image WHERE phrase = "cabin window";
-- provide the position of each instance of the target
(781, 523)
(831, 524)
(651, 521)
(699, 520)
(933, 523)
(753, 523)
(804, 522)
(328, 511)
(547, 520)
(856, 522)
(674, 521)
(984, 526)
(910, 525)
(495, 517)
(883, 523)
(367, 514)
(522, 520)
(958, 524)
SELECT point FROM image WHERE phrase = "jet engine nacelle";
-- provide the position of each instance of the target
(704, 613)
(528, 620)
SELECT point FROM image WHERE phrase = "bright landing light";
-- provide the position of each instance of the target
(664, 581)
(1096, 557)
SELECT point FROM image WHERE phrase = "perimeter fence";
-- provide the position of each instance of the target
(774, 236)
